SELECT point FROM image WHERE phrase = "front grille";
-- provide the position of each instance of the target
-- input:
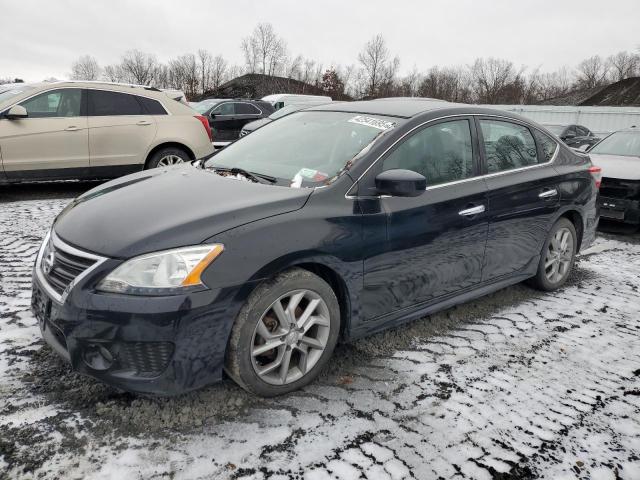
(147, 359)
(60, 267)
(615, 188)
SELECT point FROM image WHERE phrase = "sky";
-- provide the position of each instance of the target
(41, 38)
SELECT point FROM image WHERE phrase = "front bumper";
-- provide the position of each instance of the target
(159, 345)
(620, 209)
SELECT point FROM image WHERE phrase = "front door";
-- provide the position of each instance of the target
(435, 242)
(52, 142)
(120, 132)
(523, 195)
(222, 120)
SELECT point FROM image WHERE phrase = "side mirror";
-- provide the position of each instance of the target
(212, 115)
(401, 183)
(17, 111)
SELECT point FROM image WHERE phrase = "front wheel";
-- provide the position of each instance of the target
(284, 335)
(558, 256)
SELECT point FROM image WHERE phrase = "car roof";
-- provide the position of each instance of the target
(395, 107)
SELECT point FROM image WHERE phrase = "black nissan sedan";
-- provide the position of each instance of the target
(331, 223)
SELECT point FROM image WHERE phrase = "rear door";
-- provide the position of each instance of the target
(435, 242)
(524, 194)
(245, 113)
(52, 142)
(120, 131)
(222, 120)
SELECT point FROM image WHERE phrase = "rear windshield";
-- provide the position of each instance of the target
(304, 149)
(619, 143)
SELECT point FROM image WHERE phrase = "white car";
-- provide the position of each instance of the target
(279, 100)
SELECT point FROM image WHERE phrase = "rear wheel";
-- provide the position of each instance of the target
(284, 335)
(166, 157)
(558, 256)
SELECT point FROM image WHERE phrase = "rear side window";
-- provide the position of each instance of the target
(152, 107)
(103, 103)
(547, 144)
(224, 109)
(507, 145)
(246, 109)
(66, 102)
(442, 153)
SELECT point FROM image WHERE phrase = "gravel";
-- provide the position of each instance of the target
(519, 384)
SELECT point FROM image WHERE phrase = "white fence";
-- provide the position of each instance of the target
(600, 120)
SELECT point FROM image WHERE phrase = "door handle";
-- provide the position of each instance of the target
(143, 123)
(72, 128)
(470, 212)
(548, 193)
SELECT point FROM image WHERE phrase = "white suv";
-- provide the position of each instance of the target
(94, 130)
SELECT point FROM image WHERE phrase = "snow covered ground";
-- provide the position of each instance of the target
(517, 385)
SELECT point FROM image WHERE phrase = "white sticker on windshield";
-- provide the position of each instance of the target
(372, 122)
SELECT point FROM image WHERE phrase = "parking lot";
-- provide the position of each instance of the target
(519, 384)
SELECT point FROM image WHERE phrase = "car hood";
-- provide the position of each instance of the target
(617, 166)
(256, 124)
(166, 208)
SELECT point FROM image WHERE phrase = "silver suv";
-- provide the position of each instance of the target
(94, 130)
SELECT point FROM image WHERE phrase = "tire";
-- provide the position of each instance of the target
(562, 258)
(166, 157)
(266, 371)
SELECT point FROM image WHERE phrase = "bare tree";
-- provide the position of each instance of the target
(204, 66)
(490, 77)
(554, 84)
(591, 72)
(219, 71)
(624, 65)
(378, 67)
(450, 83)
(85, 68)
(264, 51)
(139, 67)
(184, 74)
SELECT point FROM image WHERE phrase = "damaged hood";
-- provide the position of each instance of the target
(617, 166)
(161, 208)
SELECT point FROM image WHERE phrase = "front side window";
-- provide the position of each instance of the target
(304, 149)
(441, 153)
(104, 103)
(619, 143)
(246, 109)
(224, 109)
(66, 102)
(507, 145)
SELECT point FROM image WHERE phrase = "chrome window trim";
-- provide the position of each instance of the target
(59, 244)
(236, 114)
(78, 87)
(464, 180)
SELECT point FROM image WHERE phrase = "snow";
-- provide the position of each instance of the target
(521, 383)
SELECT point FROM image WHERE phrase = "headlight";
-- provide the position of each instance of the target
(161, 273)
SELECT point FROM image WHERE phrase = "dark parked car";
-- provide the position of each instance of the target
(334, 222)
(575, 136)
(228, 116)
(283, 112)
(619, 157)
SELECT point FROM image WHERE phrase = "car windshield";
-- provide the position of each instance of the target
(12, 89)
(555, 129)
(619, 143)
(304, 149)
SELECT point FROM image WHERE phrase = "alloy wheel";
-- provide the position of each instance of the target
(559, 255)
(170, 159)
(290, 337)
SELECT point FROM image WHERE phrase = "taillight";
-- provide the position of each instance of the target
(205, 124)
(596, 173)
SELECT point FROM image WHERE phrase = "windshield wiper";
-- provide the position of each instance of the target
(256, 177)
